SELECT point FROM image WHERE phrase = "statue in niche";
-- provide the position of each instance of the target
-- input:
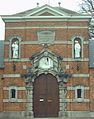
(77, 49)
(15, 49)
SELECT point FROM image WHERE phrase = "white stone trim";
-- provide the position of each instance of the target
(18, 88)
(73, 88)
(68, 88)
(80, 75)
(50, 27)
(17, 60)
(17, 100)
(44, 9)
(30, 18)
(27, 59)
(55, 42)
(75, 100)
(11, 75)
(18, 75)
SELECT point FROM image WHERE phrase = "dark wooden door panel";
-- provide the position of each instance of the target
(46, 99)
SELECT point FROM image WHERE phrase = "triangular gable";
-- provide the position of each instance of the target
(45, 10)
(45, 52)
(46, 14)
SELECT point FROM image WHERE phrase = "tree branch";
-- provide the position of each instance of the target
(87, 6)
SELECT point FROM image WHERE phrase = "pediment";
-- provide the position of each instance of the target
(45, 10)
(45, 53)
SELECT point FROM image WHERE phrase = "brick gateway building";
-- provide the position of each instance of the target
(47, 69)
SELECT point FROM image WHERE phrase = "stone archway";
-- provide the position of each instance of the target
(56, 75)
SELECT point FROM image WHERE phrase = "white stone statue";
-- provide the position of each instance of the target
(77, 49)
(15, 50)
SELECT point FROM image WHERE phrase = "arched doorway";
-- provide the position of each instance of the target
(46, 96)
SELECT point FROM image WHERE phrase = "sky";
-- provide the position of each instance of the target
(8, 7)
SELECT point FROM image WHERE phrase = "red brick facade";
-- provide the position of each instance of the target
(66, 30)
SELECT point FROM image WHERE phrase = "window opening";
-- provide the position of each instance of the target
(79, 93)
(13, 93)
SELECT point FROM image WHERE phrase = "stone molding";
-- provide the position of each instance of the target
(19, 75)
(17, 100)
(27, 59)
(52, 27)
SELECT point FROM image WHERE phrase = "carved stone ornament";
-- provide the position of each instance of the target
(45, 62)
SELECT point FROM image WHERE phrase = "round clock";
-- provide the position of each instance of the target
(45, 62)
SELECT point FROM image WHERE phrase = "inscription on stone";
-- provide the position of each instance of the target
(46, 37)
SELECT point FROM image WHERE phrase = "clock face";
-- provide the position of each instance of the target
(45, 62)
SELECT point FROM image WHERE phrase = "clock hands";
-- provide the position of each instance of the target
(47, 61)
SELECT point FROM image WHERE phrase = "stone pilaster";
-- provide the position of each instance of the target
(62, 100)
(29, 105)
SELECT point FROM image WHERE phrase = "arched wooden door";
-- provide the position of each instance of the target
(46, 96)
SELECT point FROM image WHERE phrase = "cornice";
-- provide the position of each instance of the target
(47, 18)
(52, 27)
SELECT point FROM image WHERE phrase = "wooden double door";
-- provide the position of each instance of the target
(46, 96)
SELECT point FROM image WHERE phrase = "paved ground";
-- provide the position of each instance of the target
(51, 118)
